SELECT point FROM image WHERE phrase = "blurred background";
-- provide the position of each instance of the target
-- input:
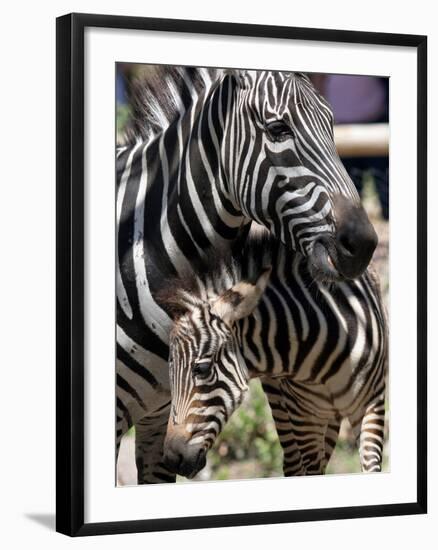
(248, 446)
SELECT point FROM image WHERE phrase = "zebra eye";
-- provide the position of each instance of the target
(202, 368)
(278, 130)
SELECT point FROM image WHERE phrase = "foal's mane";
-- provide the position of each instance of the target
(220, 269)
(155, 95)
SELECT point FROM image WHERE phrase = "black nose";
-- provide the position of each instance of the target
(355, 243)
(180, 456)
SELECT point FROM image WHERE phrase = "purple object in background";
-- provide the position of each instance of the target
(355, 99)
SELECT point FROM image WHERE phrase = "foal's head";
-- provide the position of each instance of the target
(208, 376)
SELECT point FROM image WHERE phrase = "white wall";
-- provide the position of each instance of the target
(27, 222)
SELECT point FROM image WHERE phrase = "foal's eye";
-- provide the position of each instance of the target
(202, 368)
(279, 130)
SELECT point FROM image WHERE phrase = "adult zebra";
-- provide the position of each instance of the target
(325, 346)
(208, 152)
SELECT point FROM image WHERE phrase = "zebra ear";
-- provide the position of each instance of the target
(240, 300)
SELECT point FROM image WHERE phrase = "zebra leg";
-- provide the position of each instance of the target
(143, 396)
(292, 459)
(123, 423)
(368, 428)
(307, 437)
(309, 431)
(150, 432)
(316, 422)
(319, 443)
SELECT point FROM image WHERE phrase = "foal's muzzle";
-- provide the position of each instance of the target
(180, 456)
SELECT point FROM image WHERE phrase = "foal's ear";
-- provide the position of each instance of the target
(241, 299)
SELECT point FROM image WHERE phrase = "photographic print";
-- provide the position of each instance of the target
(252, 274)
(241, 288)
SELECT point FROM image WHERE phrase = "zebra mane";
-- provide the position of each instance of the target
(218, 271)
(155, 98)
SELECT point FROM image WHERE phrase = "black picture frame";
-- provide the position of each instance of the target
(70, 273)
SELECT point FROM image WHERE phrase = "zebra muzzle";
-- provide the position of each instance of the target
(181, 457)
(355, 239)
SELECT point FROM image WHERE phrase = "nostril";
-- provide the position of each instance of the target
(347, 244)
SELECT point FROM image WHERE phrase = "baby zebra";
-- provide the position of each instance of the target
(318, 345)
